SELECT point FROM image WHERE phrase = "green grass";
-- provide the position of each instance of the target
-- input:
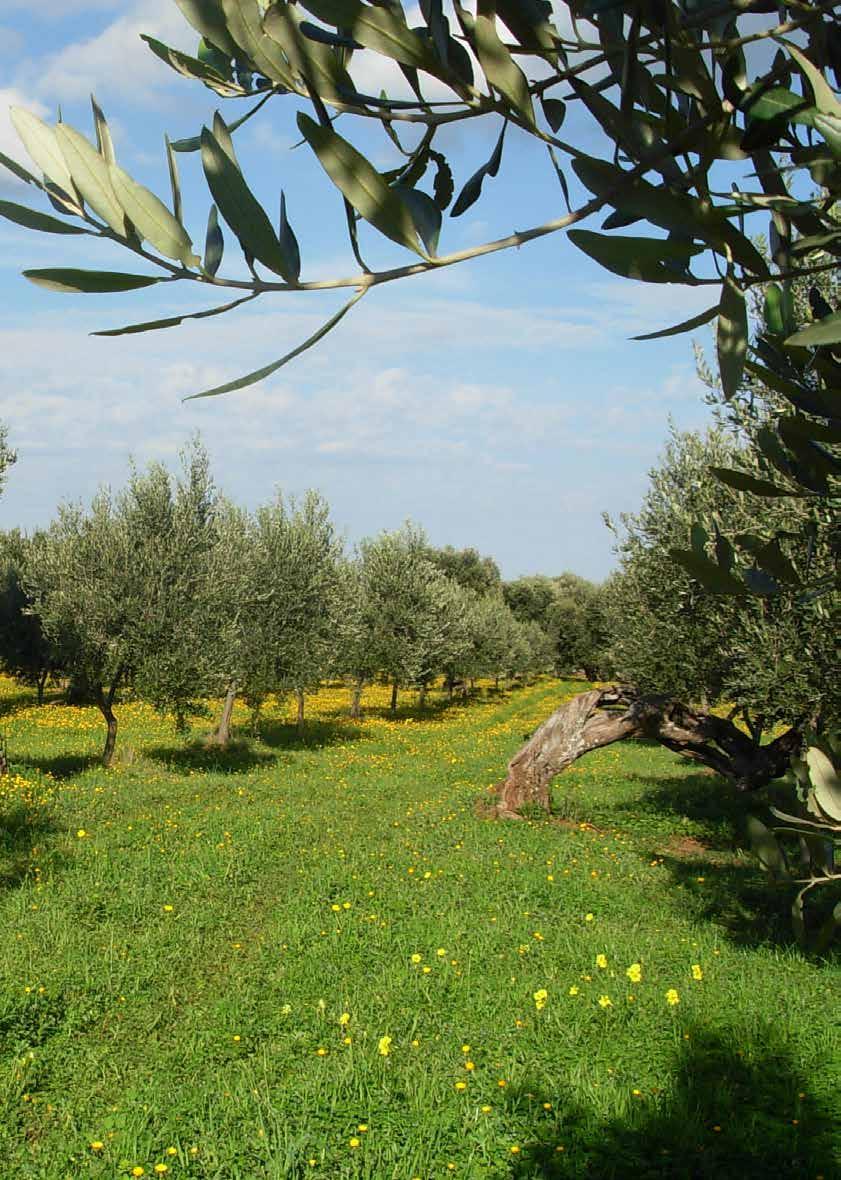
(183, 933)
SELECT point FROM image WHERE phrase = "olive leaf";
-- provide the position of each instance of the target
(360, 183)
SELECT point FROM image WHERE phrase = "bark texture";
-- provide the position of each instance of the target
(222, 733)
(105, 701)
(605, 715)
(299, 715)
(356, 700)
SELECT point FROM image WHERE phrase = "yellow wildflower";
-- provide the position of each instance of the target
(634, 972)
(672, 997)
(540, 998)
(697, 973)
(384, 1046)
(601, 961)
(605, 1002)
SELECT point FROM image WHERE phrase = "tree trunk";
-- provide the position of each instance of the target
(394, 697)
(105, 701)
(602, 716)
(422, 695)
(356, 700)
(222, 733)
(299, 717)
(41, 685)
(451, 684)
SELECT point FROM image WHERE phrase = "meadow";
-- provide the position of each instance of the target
(312, 955)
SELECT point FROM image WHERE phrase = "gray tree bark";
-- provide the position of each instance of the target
(602, 716)
(222, 733)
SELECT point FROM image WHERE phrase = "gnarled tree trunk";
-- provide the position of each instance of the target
(299, 714)
(605, 715)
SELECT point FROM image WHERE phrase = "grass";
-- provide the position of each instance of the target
(204, 952)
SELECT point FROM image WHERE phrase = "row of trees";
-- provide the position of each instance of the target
(170, 590)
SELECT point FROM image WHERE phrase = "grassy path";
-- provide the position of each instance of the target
(309, 957)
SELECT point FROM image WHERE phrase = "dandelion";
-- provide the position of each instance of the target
(540, 998)
(353, 1141)
(441, 953)
(605, 1002)
(362, 1127)
(589, 918)
(427, 970)
(634, 972)
(321, 1051)
(486, 1109)
(502, 1083)
(384, 1046)
(416, 958)
(573, 991)
(465, 1048)
(461, 1085)
(337, 909)
(697, 973)
(168, 909)
(514, 1149)
(138, 1171)
(81, 833)
(672, 997)
(601, 961)
(344, 1019)
(97, 1145)
(172, 1151)
(469, 1066)
(161, 1168)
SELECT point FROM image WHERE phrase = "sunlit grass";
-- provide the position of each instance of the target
(310, 955)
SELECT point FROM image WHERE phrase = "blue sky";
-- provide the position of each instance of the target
(500, 403)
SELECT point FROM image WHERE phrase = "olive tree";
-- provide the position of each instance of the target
(83, 577)
(25, 651)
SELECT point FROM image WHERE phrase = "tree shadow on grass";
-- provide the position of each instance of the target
(62, 766)
(315, 735)
(736, 1111)
(237, 757)
(709, 801)
(15, 702)
(20, 829)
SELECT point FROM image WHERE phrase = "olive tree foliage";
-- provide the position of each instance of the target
(710, 116)
(119, 588)
(7, 456)
(174, 523)
(467, 567)
(83, 576)
(25, 652)
(274, 578)
(412, 614)
(770, 656)
(570, 611)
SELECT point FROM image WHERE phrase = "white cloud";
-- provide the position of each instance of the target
(114, 62)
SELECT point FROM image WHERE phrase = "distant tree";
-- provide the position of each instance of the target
(275, 576)
(468, 568)
(494, 637)
(173, 521)
(83, 578)
(305, 554)
(7, 456)
(531, 598)
(400, 584)
(444, 633)
(354, 624)
(25, 652)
